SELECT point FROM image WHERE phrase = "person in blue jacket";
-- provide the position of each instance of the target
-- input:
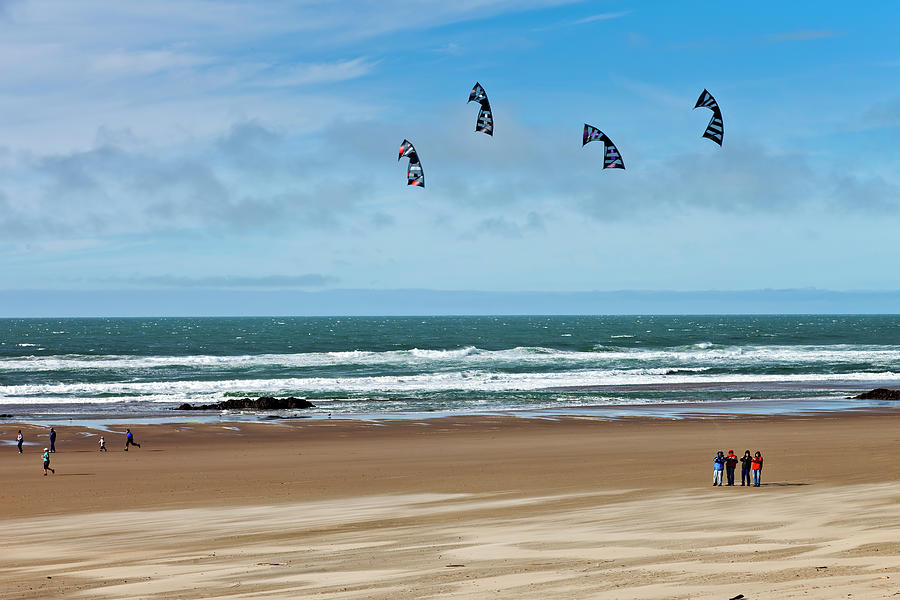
(718, 467)
(52, 440)
(129, 440)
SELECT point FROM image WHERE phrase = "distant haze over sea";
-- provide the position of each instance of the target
(356, 302)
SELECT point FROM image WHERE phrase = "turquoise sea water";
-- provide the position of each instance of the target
(415, 366)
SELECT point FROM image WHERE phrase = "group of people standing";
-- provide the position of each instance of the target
(749, 465)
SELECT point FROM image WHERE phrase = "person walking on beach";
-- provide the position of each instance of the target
(129, 440)
(19, 440)
(718, 466)
(746, 461)
(731, 462)
(103, 445)
(756, 467)
(46, 458)
(52, 440)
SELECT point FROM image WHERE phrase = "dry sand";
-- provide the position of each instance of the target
(485, 507)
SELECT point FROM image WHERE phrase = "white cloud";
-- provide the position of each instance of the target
(145, 62)
(601, 17)
(226, 22)
(318, 73)
(172, 71)
(255, 179)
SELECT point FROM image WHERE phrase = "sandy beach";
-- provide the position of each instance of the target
(456, 508)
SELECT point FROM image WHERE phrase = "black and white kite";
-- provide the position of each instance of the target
(715, 131)
(611, 157)
(414, 174)
(485, 120)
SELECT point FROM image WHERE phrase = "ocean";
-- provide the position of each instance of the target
(417, 367)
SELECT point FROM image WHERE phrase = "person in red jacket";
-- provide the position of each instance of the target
(731, 462)
(756, 467)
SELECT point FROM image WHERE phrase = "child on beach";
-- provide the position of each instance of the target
(718, 466)
(103, 445)
(129, 440)
(746, 461)
(756, 467)
(46, 458)
(731, 462)
(19, 440)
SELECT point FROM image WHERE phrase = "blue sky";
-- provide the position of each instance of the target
(186, 145)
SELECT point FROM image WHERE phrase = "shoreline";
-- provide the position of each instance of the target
(99, 419)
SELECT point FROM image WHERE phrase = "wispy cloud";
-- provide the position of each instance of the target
(607, 16)
(318, 73)
(449, 49)
(175, 70)
(601, 17)
(804, 35)
(145, 62)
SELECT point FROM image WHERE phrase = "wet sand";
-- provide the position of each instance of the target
(458, 508)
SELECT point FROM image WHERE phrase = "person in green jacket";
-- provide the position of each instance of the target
(47, 462)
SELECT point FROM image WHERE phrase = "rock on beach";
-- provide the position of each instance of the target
(261, 403)
(879, 394)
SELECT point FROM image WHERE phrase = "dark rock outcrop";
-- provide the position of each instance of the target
(879, 394)
(262, 403)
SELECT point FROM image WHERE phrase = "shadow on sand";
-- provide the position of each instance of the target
(781, 484)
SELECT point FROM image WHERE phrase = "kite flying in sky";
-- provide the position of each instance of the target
(611, 157)
(414, 174)
(715, 131)
(485, 120)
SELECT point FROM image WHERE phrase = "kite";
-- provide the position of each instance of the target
(611, 157)
(715, 131)
(414, 174)
(485, 120)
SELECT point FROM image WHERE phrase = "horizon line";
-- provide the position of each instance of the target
(424, 302)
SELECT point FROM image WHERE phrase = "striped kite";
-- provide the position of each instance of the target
(715, 131)
(414, 174)
(611, 157)
(485, 120)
